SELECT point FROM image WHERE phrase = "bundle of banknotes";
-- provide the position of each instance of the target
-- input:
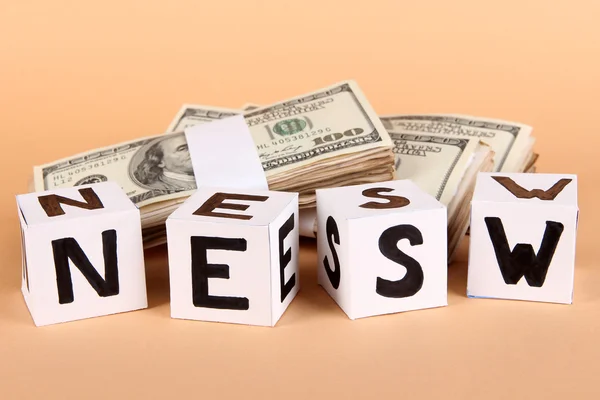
(328, 138)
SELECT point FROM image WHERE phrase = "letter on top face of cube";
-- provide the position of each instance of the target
(82, 252)
(382, 248)
(233, 256)
(522, 242)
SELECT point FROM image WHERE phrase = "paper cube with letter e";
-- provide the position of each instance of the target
(523, 230)
(233, 256)
(82, 253)
(382, 248)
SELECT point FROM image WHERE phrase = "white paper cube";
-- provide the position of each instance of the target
(233, 256)
(82, 253)
(522, 242)
(382, 248)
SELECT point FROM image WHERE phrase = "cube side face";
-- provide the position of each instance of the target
(333, 269)
(25, 279)
(24, 269)
(84, 269)
(219, 272)
(522, 252)
(399, 262)
(284, 237)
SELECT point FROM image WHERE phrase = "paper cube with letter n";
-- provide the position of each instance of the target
(523, 230)
(382, 248)
(82, 253)
(233, 256)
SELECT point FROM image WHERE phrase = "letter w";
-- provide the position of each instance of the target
(523, 261)
(523, 193)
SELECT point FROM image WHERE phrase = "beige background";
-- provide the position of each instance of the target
(78, 75)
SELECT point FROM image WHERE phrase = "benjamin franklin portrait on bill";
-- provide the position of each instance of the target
(165, 164)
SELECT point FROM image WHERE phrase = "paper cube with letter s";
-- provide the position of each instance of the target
(382, 248)
(522, 242)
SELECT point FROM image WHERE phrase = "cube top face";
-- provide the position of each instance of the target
(542, 189)
(232, 206)
(75, 202)
(381, 198)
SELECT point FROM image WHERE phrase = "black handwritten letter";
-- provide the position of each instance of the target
(522, 193)
(523, 261)
(393, 201)
(412, 282)
(285, 258)
(52, 203)
(68, 248)
(332, 232)
(217, 201)
(202, 270)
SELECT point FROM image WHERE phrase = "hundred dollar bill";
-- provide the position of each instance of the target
(510, 141)
(331, 122)
(435, 163)
(193, 114)
(250, 107)
(150, 170)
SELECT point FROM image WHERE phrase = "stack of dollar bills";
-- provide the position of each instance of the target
(328, 138)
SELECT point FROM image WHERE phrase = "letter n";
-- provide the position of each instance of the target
(68, 248)
(52, 203)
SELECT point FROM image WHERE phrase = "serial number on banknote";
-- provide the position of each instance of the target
(67, 176)
(326, 137)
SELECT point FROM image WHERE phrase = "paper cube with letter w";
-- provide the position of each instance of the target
(82, 253)
(523, 230)
(233, 256)
(382, 248)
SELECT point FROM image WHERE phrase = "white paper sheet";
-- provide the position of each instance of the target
(224, 155)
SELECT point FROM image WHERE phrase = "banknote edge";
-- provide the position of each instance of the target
(180, 113)
(523, 132)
